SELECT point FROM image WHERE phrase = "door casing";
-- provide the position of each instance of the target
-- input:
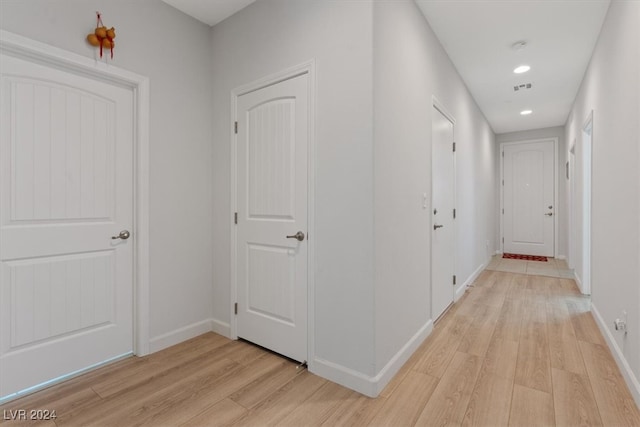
(304, 68)
(37, 52)
(555, 189)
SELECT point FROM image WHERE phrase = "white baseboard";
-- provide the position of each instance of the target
(621, 360)
(561, 257)
(179, 335)
(461, 290)
(344, 376)
(578, 281)
(365, 384)
(499, 252)
(221, 328)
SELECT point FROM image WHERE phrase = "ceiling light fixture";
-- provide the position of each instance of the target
(522, 69)
(526, 112)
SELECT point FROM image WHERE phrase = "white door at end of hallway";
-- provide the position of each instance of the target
(66, 187)
(443, 221)
(528, 198)
(271, 235)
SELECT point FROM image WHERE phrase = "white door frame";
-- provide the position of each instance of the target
(442, 109)
(587, 163)
(557, 209)
(571, 162)
(304, 68)
(41, 53)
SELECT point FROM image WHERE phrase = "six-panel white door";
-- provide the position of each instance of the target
(272, 146)
(528, 198)
(66, 187)
(443, 224)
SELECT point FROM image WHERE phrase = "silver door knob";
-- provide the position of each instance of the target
(436, 226)
(299, 236)
(124, 235)
(549, 214)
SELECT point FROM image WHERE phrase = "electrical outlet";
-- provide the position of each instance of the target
(621, 323)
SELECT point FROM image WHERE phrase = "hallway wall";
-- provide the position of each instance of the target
(410, 68)
(267, 37)
(611, 90)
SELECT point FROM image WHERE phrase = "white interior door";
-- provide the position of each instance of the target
(528, 198)
(66, 187)
(443, 224)
(272, 145)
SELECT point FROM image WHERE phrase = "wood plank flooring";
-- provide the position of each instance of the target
(517, 349)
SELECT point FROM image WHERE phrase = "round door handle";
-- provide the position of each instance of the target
(124, 235)
(436, 226)
(298, 236)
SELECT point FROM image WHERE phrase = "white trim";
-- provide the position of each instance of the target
(618, 355)
(181, 334)
(221, 328)
(561, 257)
(371, 386)
(37, 52)
(443, 110)
(460, 292)
(587, 180)
(289, 73)
(394, 365)
(555, 188)
(576, 277)
(571, 191)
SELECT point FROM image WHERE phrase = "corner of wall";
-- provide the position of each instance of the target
(187, 332)
(370, 386)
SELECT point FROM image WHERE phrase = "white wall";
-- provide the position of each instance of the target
(611, 89)
(562, 209)
(360, 58)
(410, 67)
(264, 38)
(172, 49)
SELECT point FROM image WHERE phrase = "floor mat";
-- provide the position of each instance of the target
(525, 257)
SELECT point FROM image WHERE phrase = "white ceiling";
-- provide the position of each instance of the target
(478, 35)
(209, 11)
(560, 36)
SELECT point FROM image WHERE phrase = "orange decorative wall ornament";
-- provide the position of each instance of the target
(102, 37)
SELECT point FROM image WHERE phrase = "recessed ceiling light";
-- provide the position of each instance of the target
(526, 112)
(522, 69)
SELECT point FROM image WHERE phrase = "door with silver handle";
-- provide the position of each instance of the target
(298, 236)
(124, 235)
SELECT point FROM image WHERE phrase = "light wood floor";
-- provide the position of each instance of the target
(517, 350)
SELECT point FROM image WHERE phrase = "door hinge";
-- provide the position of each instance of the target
(235, 217)
(454, 214)
(235, 308)
(503, 240)
(235, 127)
(503, 154)
(454, 280)
(454, 147)
(502, 211)
(503, 182)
